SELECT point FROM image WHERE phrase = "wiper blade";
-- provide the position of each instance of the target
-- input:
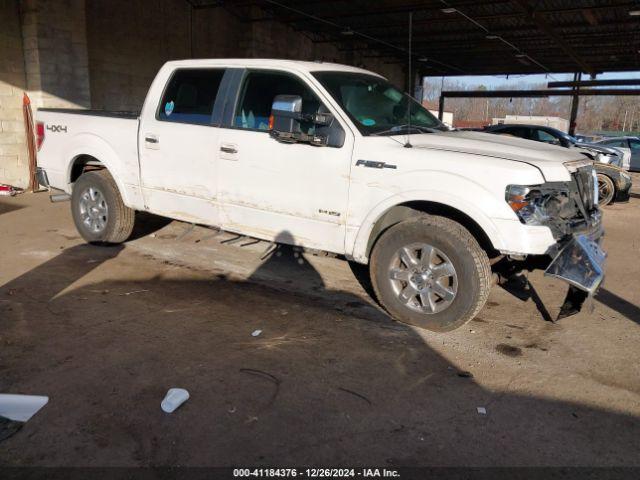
(400, 128)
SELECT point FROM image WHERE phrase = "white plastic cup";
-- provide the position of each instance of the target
(20, 408)
(173, 399)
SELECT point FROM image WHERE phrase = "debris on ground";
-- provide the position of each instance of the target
(266, 375)
(355, 394)
(131, 293)
(173, 399)
(256, 333)
(465, 374)
(481, 410)
(8, 190)
(20, 408)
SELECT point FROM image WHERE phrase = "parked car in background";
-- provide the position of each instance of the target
(613, 182)
(630, 146)
(586, 138)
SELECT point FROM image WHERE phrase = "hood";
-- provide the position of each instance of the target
(597, 148)
(549, 159)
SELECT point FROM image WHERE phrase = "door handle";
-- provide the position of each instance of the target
(228, 149)
(151, 141)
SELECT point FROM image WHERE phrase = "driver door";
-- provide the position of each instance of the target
(292, 193)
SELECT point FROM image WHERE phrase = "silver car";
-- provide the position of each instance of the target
(630, 146)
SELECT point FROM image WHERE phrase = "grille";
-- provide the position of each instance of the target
(585, 182)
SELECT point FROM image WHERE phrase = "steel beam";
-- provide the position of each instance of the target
(611, 92)
(595, 83)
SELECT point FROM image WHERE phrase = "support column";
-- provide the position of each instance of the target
(13, 153)
(575, 101)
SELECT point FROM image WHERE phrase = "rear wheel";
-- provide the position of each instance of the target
(98, 211)
(430, 272)
(606, 189)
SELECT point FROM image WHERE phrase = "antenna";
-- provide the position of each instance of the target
(408, 144)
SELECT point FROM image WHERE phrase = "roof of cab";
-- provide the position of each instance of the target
(268, 62)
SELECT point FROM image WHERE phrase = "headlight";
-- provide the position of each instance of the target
(528, 204)
(615, 160)
(544, 204)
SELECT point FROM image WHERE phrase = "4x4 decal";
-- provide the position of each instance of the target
(57, 128)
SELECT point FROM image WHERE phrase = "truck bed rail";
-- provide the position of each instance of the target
(98, 113)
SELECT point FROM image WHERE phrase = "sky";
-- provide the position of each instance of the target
(494, 81)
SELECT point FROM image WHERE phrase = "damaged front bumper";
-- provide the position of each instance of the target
(580, 263)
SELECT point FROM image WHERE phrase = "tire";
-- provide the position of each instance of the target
(451, 246)
(606, 189)
(98, 211)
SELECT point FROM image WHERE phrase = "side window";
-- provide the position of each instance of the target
(258, 92)
(542, 136)
(190, 96)
(519, 132)
(635, 145)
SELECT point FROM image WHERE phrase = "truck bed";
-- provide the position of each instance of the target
(95, 113)
(109, 137)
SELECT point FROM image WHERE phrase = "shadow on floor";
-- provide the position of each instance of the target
(619, 304)
(9, 205)
(146, 224)
(316, 386)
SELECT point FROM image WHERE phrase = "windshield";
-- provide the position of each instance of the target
(376, 106)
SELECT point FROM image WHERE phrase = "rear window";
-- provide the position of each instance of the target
(190, 96)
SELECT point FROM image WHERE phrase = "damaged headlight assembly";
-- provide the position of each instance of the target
(554, 204)
(539, 204)
(570, 211)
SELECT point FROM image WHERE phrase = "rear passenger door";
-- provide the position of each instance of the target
(178, 142)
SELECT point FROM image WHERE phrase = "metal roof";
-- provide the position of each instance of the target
(467, 37)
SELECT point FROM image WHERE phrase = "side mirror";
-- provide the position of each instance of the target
(286, 113)
(286, 118)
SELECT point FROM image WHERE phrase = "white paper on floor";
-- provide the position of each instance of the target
(20, 408)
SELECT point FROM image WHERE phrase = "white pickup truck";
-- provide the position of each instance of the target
(333, 158)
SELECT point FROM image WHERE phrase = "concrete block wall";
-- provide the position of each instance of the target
(129, 40)
(13, 152)
(104, 54)
(55, 52)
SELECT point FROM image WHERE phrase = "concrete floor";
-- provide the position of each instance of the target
(104, 332)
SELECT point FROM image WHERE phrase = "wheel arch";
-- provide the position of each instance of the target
(83, 163)
(483, 231)
(94, 155)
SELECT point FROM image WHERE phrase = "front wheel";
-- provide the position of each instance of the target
(430, 272)
(606, 190)
(98, 211)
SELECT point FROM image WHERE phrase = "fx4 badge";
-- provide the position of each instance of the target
(57, 128)
(329, 212)
(372, 164)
